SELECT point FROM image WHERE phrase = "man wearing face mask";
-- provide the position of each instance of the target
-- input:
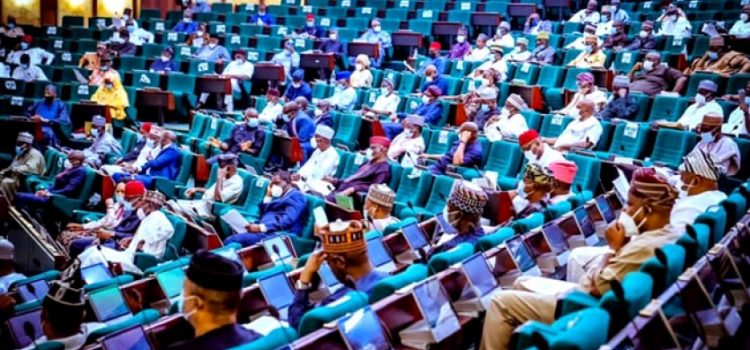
(509, 123)
(741, 28)
(582, 132)
(226, 189)
(674, 23)
(210, 300)
(375, 171)
(587, 15)
(649, 201)
(27, 71)
(533, 190)
(38, 55)
(705, 103)
(262, 17)
(299, 87)
(535, 25)
(143, 151)
(431, 110)
(322, 114)
(201, 6)
(386, 103)
(463, 211)
(103, 143)
(719, 59)
(289, 58)
(323, 162)
(618, 39)
(722, 147)
(283, 211)
(378, 206)
(591, 57)
(622, 106)
(496, 63)
(165, 63)
(186, 26)
(434, 78)
(409, 143)
(200, 37)
(332, 45)
(520, 53)
(11, 28)
(376, 35)
(151, 237)
(104, 72)
(502, 37)
(699, 178)
(618, 14)
(645, 39)
(465, 152)
(91, 60)
(120, 44)
(739, 119)
(239, 71)
(543, 53)
(138, 36)
(114, 96)
(461, 47)
(589, 30)
(304, 106)
(435, 60)
(484, 106)
(654, 78)
(247, 137)
(344, 249)
(49, 112)
(536, 151)
(586, 91)
(273, 108)
(297, 124)
(165, 164)
(310, 29)
(213, 52)
(26, 161)
(344, 97)
(481, 52)
(607, 25)
(362, 76)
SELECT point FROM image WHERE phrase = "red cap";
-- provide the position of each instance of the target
(146, 127)
(273, 92)
(134, 189)
(27, 39)
(528, 136)
(564, 171)
(380, 140)
(310, 17)
(435, 45)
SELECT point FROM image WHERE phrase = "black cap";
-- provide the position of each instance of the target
(63, 294)
(215, 272)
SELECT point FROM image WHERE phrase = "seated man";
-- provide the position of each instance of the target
(543, 53)
(247, 137)
(655, 78)
(532, 195)
(298, 87)
(143, 151)
(213, 52)
(433, 78)
(699, 178)
(227, 189)
(50, 111)
(589, 32)
(8, 274)
(409, 144)
(120, 44)
(310, 29)
(521, 52)
(463, 211)
(582, 132)
(28, 72)
(720, 146)
(645, 39)
(262, 17)
(284, 211)
(239, 71)
(465, 152)
(361, 76)
(509, 123)
(511, 308)
(92, 60)
(323, 162)
(288, 58)
(481, 52)
(151, 237)
(322, 114)
(741, 28)
(586, 91)
(375, 171)
(739, 119)
(386, 103)
(591, 57)
(705, 103)
(434, 59)
(166, 164)
(273, 108)
(622, 106)
(720, 60)
(587, 15)
(26, 161)
(495, 62)
(378, 207)
(481, 104)
(187, 25)
(344, 96)
(297, 123)
(38, 55)
(211, 297)
(103, 143)
(461, 48)
(165, 63)
(536, 151)
(619, 39)
(502, 37)
(344, 249)
(376, 35)
(563, 175)
(431, 110)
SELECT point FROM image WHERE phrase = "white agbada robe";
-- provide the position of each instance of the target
(230, 192)
(727, 154)
(320, 164)
(736, 123)
(506, 127)
(146, 154)
(271, 112)
(685, 210)
(410, 148)
(578, 130)
(693, 115)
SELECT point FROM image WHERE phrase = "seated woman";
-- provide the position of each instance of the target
(112, 95)
(361, 77)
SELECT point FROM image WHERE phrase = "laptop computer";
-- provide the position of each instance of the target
(171, 282)
(109, 306)
(35, 290)
(362, 330)
(95, 273)
(522, 256)
(439, 319)
(278, 292)
(16, 326)
(586, 225)
(615, 201)
(379, 256)
(603, 204)
(278, 250)
(415, 236)
(481, 284)
(442, 227)
(133, 338)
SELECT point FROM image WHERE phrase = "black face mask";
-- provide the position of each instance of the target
(49, 99)
(433, 54)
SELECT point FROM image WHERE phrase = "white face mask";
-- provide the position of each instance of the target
(628, 223)
(318, 112)
(313, 143)
(310, 23)
(648, 65)
(359, 66)
(460, 38)
(643, 34)
(211, 46)
(530, 156)
(141, 214)
(296, 85)
(743, 17)
(332, 36)
(384, 91)
(425, 99)
(377, 29)
(164, 58)
(700, 99)
(199, 33)
(186, 315)
(368, 153)
(95, 132)
(276, 191)
(706, 137)
(449, 216)
(429, 79)
(622, 92)
(409, 133)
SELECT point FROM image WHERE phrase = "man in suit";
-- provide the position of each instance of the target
(166, 164)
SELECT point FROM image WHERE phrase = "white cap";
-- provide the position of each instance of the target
(6, 249)
(324, 131)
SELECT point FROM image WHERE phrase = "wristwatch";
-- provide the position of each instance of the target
(302, 285)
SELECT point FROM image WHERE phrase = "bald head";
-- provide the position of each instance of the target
(585, 108)
(301, 102)
(291, 107)
(430, 70)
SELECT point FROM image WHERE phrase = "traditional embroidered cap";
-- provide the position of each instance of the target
(505, 25)
(343, 75)
(343, 237)
(707, 85)
(298, 75)
(621, 81)
(380, 140)
(382, 195)
(6, 249)
(647, 25)
(516, 101)
(468, 197)
(416, 120)
(25, 137)
(716, 41)
(527, 137)
(146, 127)
(387, 82)
(653, 187)
(585, 77)
(522, 40)
(701, 163)
(134, 189)
(564, 171)
(227, 159)
(215, 272)
(435, 45)
(155, 197)
(63, 294)
(324, 131)
(542, 36)
(537, 175)
(98, 121)
(434, 90)
(489, 93)
(273, 92)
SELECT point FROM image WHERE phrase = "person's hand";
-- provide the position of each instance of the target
(245, 146)
(75, 226)
(125, 242)
(190, 192)
(347, 192)
(638, 66)
(103, 235)
(42, 193)
(615, 235)
(253, 228)
(312, 266)
(327, 178)
(109, 202)
(221, 173)
(365, 108)
(214, 142)
(465, 136)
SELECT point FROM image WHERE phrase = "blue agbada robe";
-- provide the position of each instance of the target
(468, 237)
(302, 304)
(287, 213)
(472, 157)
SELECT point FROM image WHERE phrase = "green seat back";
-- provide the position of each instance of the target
(312, 203)
(664, 108)
(181, 83)
(625, 60)
(528, 223)
(256, 193)
(629, 140)
(550, 76)
(695, 242)
(443, 260)
(697, 77)
(317, 317)
(624, 300)
(588, 171)
(665, 266)
(526, 73)
(716, 218)
(735, 207)
(583, 330)
(174, 245)
(347, 132)
(553, 125)
(494, 239)
(143, 79)
(671, 145)
(389, 285)
(438, 198)
(504, 158)
(412, 187)
(441, 141)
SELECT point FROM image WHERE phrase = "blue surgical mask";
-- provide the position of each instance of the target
(119, 199)
(485, 108)
(253, 122)
(127, 206)
(24, 46)
(588, 48)
(150, 143)
(24, 66)
(747, 100)
(20, 150)
(285, 118)
(713, 56)
(707, 137)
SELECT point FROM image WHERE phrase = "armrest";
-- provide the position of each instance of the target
(165, 186)
(524, 336)
(575, 301)
(144, 260)
(65, 205)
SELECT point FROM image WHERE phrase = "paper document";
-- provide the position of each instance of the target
(546, 286)
(81, 79)
(235, 220)
(265, 325)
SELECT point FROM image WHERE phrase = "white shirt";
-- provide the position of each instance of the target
(478, 55)
(693, 115)
(686, 209)
(344, 99)
(155, 230)
(387, 103)
(381, 224)
(516, 55)
(409, 147)
(31, 74)
(506, 127)
(504, 41)
(147, 153)
(549, 156)
(7, 280)
(598, 97)
(320, 164)
(740, 29)
(141, 36)
(4, 72)
(271, 112)
(604, 29)
(580, 130)
(245, 68)
(580, 43)
(736, 123)
(680, 28)
(500, 66)
(230, 191)
(582, 17)
(37, 56)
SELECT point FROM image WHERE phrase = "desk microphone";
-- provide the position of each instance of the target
(277, 251)
(30, 332)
